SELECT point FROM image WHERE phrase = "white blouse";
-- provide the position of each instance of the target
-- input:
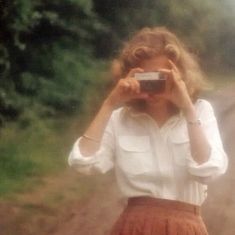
(153, 161)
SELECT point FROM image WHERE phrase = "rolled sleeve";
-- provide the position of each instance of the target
(100, 162)
(218, 162)
(215, 166)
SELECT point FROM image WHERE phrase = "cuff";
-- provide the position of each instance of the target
(76, 158)
(215, 166)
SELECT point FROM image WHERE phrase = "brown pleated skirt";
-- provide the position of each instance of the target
(151, 216)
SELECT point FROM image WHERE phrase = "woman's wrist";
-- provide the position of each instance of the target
(189, 112)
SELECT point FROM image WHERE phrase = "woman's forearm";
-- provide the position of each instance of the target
(90, 141)
(125, 90)
(200, 147)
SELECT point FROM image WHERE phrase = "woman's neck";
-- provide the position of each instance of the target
(160, 113)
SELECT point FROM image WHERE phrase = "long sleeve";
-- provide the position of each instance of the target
(101, 161)
(217, 162)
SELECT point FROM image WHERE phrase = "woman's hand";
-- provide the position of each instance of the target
(176, 90)
(127, 88)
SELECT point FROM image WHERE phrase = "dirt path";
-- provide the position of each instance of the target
(55, 209)
(95, 216)
(219, 210)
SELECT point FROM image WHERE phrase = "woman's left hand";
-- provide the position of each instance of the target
(176, 90)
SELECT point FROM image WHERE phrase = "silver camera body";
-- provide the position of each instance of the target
(153, 82)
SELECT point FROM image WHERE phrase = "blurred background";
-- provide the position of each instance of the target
(54, 73)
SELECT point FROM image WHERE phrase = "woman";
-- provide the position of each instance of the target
(164, 147)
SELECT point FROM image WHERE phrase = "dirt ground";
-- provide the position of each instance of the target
(54, 208)
(219, 209)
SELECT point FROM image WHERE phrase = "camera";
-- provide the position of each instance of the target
(153, 82)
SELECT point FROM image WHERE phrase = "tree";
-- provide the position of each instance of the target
(45, 49)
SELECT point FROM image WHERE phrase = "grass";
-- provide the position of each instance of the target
(28, 154)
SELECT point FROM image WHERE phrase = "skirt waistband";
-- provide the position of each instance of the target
(164, 203)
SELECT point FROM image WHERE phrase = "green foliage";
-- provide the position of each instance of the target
(46, 54)
(207, 27)
(31, 152)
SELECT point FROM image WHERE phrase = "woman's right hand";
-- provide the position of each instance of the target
(127, 88)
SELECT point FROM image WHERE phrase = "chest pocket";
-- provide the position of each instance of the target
(134, 154)
(180, 146)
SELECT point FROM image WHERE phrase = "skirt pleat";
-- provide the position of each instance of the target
(150, 216)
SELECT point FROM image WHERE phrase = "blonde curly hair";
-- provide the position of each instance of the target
(156, 41)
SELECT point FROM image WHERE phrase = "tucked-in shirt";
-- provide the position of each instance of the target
(153, 161)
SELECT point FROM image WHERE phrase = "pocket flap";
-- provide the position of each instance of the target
(134, 143)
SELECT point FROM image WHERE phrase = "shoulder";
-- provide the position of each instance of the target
(204, 109)
(203, 105)
(118, 114)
